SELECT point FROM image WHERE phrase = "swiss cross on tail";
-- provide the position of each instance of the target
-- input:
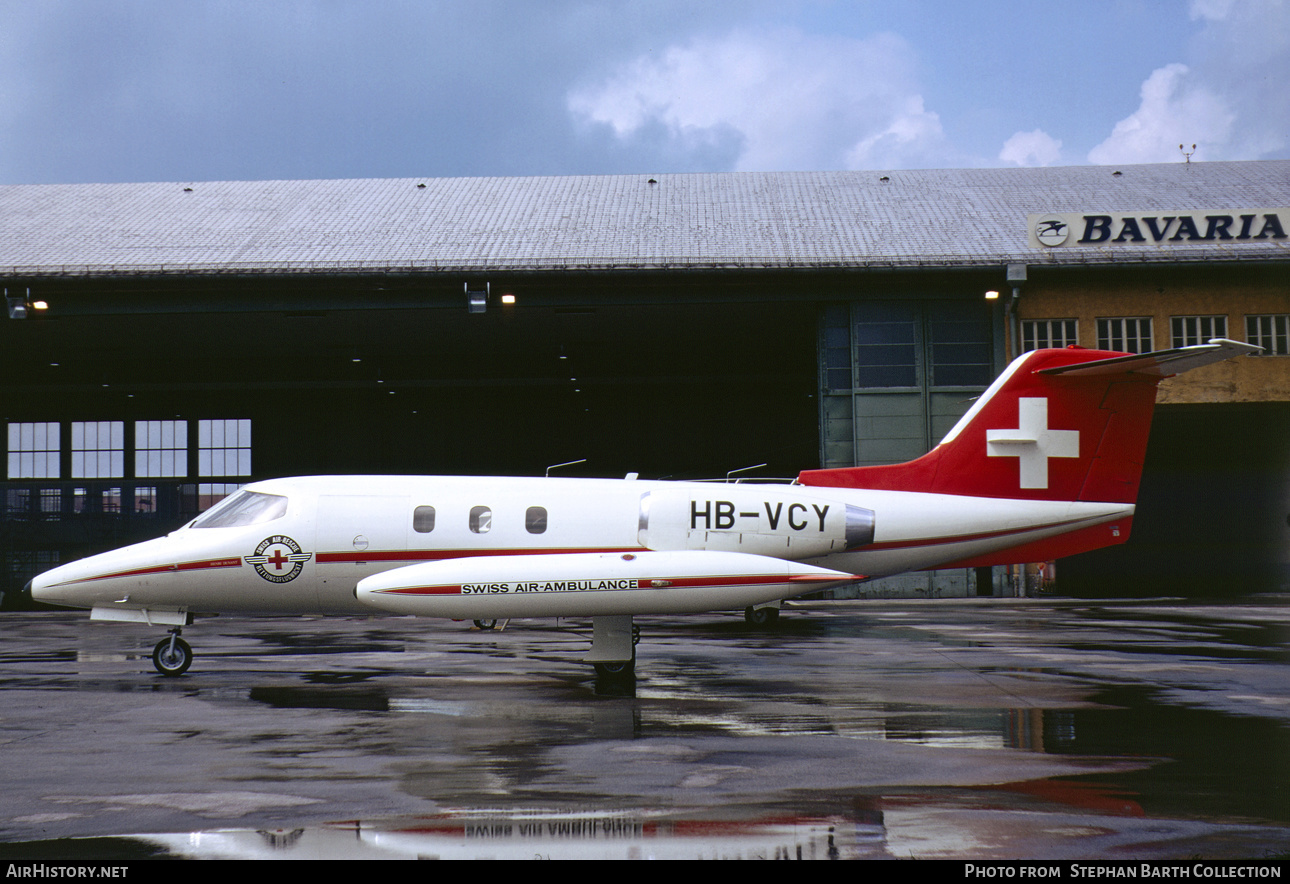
(1076, 421)
(1032, 442)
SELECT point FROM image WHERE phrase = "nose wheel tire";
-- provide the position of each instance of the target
(172, 656)
(486, 624)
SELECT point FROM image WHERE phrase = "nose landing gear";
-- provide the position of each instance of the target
(172, 656)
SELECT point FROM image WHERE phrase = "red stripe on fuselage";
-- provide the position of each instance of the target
(161, 569)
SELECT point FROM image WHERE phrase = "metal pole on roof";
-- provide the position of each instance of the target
(1016, 276)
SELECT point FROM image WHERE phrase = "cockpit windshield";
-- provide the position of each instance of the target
(243, 508)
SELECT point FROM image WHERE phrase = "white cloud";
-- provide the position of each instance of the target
(1175, 109)
(1036, 148)
(782, 100)
(1229, 99)
(1215, 10)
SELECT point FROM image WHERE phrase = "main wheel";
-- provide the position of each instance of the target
(172, 659)
(486, 624)
(761, 616)
(615, 668)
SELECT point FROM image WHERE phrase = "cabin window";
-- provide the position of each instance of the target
(481, 519)
(535, 520)
(423, 519)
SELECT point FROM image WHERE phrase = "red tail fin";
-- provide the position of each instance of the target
(1056, 425)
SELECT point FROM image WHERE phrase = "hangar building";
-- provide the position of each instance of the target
(167, 342)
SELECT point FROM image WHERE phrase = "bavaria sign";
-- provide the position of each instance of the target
(1058, 229)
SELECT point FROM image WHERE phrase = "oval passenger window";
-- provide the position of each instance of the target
(535, 519)
(423, 519)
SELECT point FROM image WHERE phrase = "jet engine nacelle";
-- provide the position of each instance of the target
(767, 520)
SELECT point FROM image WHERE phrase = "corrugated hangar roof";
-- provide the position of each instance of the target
(942, 218)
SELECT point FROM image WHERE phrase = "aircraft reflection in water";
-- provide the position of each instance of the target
(525, 835)
(1045, 464)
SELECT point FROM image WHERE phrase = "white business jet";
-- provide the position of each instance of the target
(1045, 464)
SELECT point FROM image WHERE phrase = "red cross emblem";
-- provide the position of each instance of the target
(278, 559)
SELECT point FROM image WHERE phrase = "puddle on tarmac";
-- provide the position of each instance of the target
(1076, 732)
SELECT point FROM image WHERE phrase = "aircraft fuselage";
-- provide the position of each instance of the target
(306, 543)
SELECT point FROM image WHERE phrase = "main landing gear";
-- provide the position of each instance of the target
(172, 656)
(761, 616)
(613, 647)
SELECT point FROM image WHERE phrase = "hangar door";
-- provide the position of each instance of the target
(897, 374)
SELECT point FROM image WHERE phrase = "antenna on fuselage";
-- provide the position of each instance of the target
(556, 466)
(743, 470)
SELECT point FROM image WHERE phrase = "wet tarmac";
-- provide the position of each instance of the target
(945, 729)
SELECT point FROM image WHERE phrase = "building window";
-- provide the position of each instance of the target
(21, 565)
(887, 340)
(98, 449)
(145, 500)
(481, 519)
(48, 503)
(224, 448)
(211, 493)
(110, 500)
(1042, 334)
(423, 519)
(1189, 331)
(835, 349)
(33, 451)
(958, 340)
(160, 449)
(1272, 333)
(18, 502)
(535, 520)
(51, 504)
(1125, 334)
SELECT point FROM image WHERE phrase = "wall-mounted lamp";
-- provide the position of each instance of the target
(508, 299)
(476, 301)
(992, 295)
(19, 305)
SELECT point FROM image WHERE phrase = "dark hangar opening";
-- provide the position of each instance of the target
(400, 377)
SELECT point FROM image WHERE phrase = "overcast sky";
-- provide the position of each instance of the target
(190, 90)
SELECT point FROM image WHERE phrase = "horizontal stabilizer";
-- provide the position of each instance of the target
(1161, 363)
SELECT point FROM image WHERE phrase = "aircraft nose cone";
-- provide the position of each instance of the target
(17, 599)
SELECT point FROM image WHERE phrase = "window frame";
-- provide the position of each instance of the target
(481, 519)
(26, 460)
(1181, 336)
(1143, 340)
(1275, 340)
(1030, 339)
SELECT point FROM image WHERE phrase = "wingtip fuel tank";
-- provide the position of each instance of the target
(583, 585)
